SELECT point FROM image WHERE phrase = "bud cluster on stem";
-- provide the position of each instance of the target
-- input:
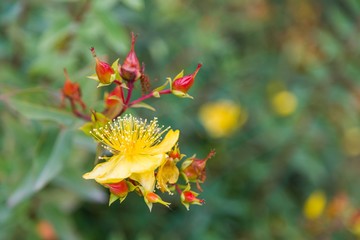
(138, 157)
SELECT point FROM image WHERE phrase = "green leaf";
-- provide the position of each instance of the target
(136, 5)
(56, 160)
(44, 169)
(87, 190)
(143, 105)
(38, 112)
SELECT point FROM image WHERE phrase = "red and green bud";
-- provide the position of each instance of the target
(180, 86)
(151, 198)
(175, 153)
(194, 168)
(190, 197)
(103, 70)
(118, 191)
(114, 97)
(131, 69)
(71, 91)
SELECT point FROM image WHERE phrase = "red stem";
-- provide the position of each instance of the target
(77, 113)
(131, 88)
(178, 189)
(122, 92)
(167, 91)
(126, 106)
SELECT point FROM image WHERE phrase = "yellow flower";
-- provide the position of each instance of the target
(137, 151)
(351, 141)
(222, 118)
(284, 103)
(314, 205)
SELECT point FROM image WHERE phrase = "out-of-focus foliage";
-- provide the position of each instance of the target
(292, 66)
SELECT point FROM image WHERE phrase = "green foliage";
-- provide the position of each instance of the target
(262, 174)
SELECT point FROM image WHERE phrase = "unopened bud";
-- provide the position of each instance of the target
(175, 153)
(131, 70)
(114, 97)
(189, 197)
(151, 198)
(103, 69)
(181, 86)
(119, 189)
(72, 91)
(194, 168)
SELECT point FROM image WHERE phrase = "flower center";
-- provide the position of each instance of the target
(129, 135)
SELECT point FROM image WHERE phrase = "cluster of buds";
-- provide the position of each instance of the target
(169, 171)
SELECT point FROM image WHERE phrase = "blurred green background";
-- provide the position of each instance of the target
(292, 66)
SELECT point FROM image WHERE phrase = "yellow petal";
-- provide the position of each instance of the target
(146, 179)
(168, 173)
(144, 163)
(167, 143)
(113, 170)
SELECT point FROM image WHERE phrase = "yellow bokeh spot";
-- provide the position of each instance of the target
(351, 141)
(222, 118)
(284, 103)
(314, 205)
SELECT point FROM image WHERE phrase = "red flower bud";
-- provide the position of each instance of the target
(71, 91)
(103, 69)
(131, 70)
(119, 189)
(114, 97)
(183, 84)
(151, 198)
(175, 153)
(194, 168)
(190, 197)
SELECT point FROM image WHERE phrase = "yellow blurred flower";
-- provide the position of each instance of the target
(137, 151)
(222, 118)
(284, 103)
(351, 141)
(314, 205)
